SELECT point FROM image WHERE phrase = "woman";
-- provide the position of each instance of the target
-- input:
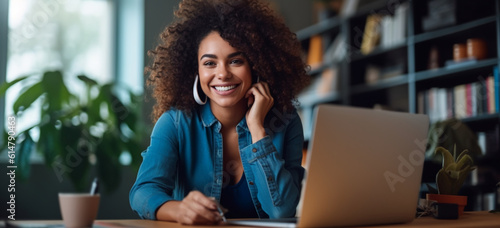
(238, 142)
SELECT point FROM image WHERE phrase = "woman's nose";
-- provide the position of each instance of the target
(223, 73)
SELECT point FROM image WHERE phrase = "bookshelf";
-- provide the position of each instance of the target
(396, 74)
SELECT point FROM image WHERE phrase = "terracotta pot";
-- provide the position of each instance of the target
(454, 199)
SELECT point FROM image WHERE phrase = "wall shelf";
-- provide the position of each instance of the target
(379, 51)
(430, 74)
(409, 60)
(318, 28)
(379, 85)
(480, 118)
(454, 29)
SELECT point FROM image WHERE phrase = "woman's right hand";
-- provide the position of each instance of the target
(194, 209)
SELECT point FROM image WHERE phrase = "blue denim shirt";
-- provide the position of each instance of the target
(186, 151)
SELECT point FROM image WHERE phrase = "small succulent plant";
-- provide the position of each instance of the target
(454, 171)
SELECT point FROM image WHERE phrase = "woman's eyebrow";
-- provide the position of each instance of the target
(215, 56)
(208, 56)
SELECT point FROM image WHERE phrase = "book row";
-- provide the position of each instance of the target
(461, 101)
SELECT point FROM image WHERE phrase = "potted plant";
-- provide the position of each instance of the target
(451, 133)
(77, 134)
(451, 177)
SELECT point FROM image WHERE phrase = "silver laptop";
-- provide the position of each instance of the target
(364, 167)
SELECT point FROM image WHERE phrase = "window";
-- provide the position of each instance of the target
(74, 36)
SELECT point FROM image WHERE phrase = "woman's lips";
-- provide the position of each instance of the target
(224, 90)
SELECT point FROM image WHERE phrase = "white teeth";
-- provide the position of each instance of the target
(224, 88)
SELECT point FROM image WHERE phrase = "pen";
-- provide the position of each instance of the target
(221, 213)
(95, 187)
(219, 209)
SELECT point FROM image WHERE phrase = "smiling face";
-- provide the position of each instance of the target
(225, 74)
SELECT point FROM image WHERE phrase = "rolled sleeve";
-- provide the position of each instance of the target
(278, 172)
(156, 177)
(260, 149)
(146, 203)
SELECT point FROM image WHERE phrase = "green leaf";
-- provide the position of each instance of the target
(87, 80)
(447, 157)
(450, 133)
(131, 120)
(89, 84)
(94, 110)
(23, 156)
(6, 86)
(134, 114)
(444, 183)
(48, 143)
(107, 97)
(77, 146)
(3, 145)
(108, 163)
(57, 92)
(28, 97)
(119, 110)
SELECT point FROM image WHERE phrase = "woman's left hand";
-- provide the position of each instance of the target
(260, 102)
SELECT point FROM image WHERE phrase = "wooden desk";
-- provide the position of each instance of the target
(469, 219)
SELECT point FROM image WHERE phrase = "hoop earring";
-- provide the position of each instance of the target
(195, 93)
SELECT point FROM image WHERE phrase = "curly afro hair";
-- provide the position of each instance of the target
(273, 51)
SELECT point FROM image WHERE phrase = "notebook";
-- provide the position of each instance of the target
(363, 167)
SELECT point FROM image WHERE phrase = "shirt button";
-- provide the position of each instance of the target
(254, 150)
(270, 178)
(250, 183)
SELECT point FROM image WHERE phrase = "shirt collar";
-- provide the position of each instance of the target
(209, 119)
(207, 116)
(243, 124)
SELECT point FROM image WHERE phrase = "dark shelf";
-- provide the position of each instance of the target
(318, 28)
(429, 74)
(357, 56)
(379, 85)
(481, 118)
(483, 187)
(482, 122)
(489, 159)
(455, 29)
(375, 6)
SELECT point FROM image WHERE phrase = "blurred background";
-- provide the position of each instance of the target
(74, 105)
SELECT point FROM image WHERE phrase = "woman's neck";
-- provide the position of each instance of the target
(229, 117)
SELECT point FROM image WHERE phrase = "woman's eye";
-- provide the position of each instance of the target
(209, 63)
(236, 61)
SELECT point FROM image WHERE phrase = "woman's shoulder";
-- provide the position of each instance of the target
(283, 115)
(282, 118)
(177, 116)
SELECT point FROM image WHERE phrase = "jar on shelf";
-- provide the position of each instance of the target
(476, 49)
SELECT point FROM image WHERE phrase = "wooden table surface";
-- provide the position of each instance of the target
(469, 219)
